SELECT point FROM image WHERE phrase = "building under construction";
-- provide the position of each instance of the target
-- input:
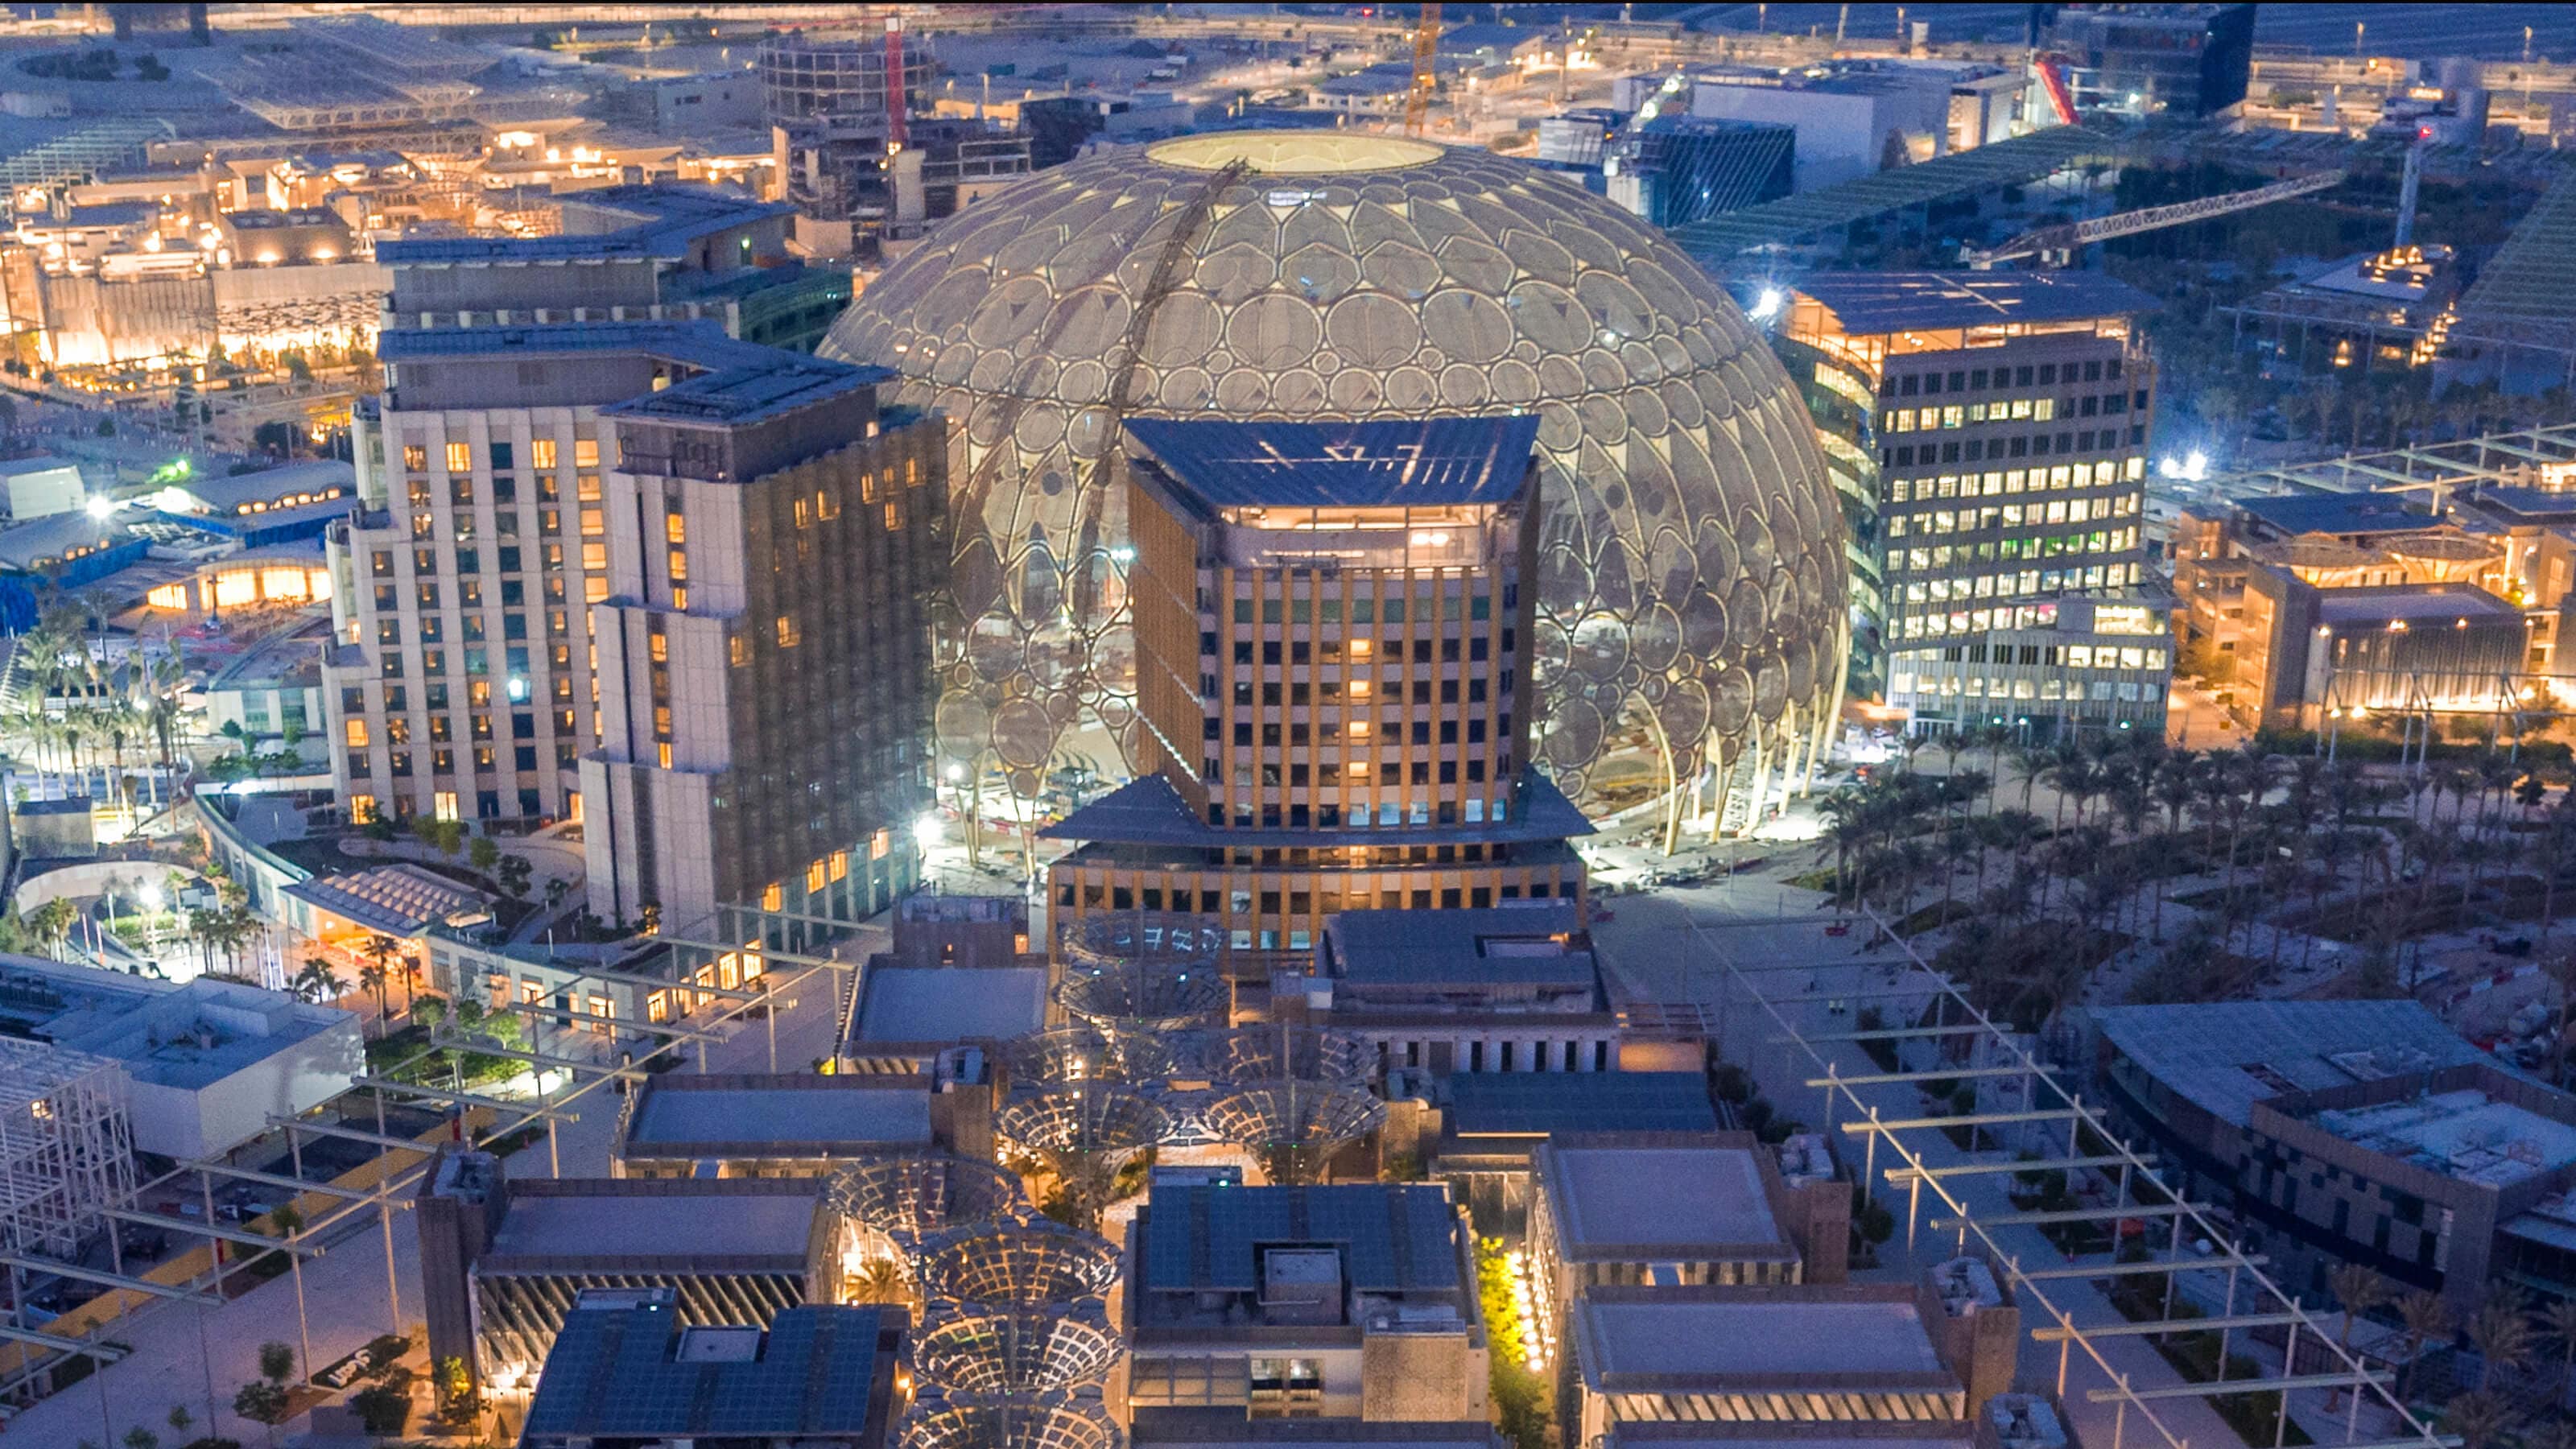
(66, 1149)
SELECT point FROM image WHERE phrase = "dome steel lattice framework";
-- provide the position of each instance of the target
(984, 1353)
(1037, 1265)
(1692, 595)
(909, 1198)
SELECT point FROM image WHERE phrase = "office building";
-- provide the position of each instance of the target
(2324, 609)
(2028, 393)
(762, 645)
(2080, 664)
(2139, 60)
(1676, 168)
(667, 253)
(2352, 1131)
(1333, 696)
(462, 688)
(627, 1371)
(1344, 1302)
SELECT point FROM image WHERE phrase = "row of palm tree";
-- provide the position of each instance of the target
(2293, 844)
(82, 710)
(2507, 1333)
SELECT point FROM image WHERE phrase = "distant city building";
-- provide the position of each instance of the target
(863, 163)
(2030, 394)
(2090, 665)
(629, 1370)
(1857, 118)
(625, 253)
(754, 746)
(2182, 60)
(1675, 169)
(2352, 1131)
(1344, 1302)
(41, 487)
(1331, 624)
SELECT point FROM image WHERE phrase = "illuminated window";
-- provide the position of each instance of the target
(594, 556)
(879, 844)
(773, 897)
(594, 589)
(675, 528)
(662, 752)
(738, 650)
(443, 805)
(416, 457)
(893, 518)
(586, 487)
(659, 644)
(657, 1007)
(585, 452)
(825, 505)
(362, 809)
(804, 513)
(541, 453)
(814, 878)
(840, 864)
(789, 636)
(867, 488)
(603, 1008)
(679, 565)
(594, 522)
(460, 458)
(356, 730)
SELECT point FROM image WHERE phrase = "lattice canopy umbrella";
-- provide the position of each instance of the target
(1086, 1132)
(1140, 973)
(1062, 1421)
(1034, 1264)
(981, 1353)
(1294, 1127)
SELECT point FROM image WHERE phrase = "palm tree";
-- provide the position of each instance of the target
(381, 951)
(2501, 1333)
(2427, 1318)
(2359, 1290)
(373, 976)
(316, 983)
(2558, 1317)
(2480, 1418)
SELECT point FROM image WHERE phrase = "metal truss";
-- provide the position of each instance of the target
(2532, 457)
(1953, 1025)
(2075, 236)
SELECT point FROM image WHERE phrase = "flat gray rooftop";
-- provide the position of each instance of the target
(1680, 1337)
(951, 1003)
(671, 1219)
(856, 1117)
(1661, 1203)
(1881, 1434)
(2225, 1056)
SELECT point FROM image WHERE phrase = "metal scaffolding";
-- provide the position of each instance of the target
(66, 1147)
(2067, 1135)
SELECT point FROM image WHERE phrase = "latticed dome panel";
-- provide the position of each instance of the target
(1294, 1114)
(1067, 1055)
(981, 1353)
(1134, 973)
(1692, 576)
(1027, 1265)
(910, 1197)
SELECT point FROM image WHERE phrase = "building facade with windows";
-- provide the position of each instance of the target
(1333, 694)
(461, 681)
(1987, 433)
(762, 650)
(2088, 664)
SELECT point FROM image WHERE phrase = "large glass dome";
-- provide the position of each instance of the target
(1692, 589)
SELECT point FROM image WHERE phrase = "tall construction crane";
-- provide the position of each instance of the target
(2055, 242)
(1426, 44)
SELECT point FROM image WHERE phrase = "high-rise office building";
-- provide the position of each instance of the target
(1987, 432)
(2182, 60)
(1332, 627)
(764, 672)
(461, 688)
